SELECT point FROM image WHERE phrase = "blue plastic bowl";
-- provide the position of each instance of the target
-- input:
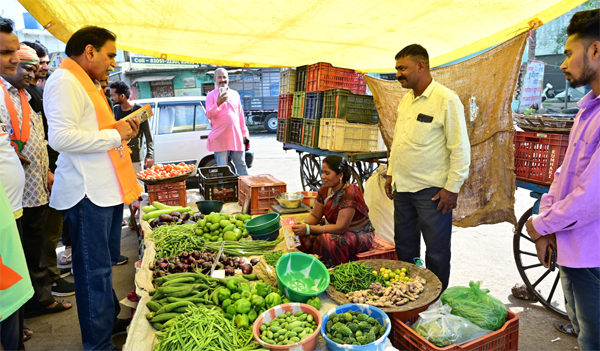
(268, 237)
(369, 310)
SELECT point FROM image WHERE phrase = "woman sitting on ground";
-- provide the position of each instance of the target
(349, 230)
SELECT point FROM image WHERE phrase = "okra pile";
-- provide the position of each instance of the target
(353, 328)
(288, 329)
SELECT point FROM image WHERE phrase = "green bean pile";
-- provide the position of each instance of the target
(354, 276)
(205, 329)
(170, 240)
(272, 257)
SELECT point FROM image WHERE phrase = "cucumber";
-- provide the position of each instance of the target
(164, 317)
(153, 306)
(173, 289)
(183, 309)
(157, 326)
(148, 209)
(170, 307)
(157, 296)
(181, 293)
(160, 206)
(179, 281)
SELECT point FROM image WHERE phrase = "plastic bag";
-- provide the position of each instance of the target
(440, 327)
(476, 305)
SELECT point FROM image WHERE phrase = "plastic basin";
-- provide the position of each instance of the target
(268, 237)
(208, 206)
(263, 224)
(369, 310)
(301, 276)
(308, 344)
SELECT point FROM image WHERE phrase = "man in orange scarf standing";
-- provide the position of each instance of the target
(93, 178)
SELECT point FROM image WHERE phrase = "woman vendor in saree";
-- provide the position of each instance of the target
(348, 230)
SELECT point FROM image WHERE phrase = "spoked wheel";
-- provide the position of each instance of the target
(310, 173)
(364, 169)
(541, 282)
(356, 179)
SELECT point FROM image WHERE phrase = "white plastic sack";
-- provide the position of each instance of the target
(381, 208)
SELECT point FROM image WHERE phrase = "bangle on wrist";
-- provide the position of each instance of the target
(307, 229)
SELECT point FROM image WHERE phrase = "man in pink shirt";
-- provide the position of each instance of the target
(569, 216)
(228, 129)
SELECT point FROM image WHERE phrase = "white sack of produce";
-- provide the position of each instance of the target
(381, 209)
(442, 328)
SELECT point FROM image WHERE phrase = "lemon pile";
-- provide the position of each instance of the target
(390, 276)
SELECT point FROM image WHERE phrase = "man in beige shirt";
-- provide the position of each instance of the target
(429, 162)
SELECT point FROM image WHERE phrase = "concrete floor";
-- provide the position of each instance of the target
(479, 253)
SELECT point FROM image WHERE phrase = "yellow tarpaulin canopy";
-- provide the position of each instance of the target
(363, 35)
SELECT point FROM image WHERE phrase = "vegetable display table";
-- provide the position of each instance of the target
(141, 335)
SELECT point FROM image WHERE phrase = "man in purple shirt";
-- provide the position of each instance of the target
(569, 217)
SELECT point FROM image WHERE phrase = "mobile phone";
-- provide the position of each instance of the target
(551, 257)
(222, 90)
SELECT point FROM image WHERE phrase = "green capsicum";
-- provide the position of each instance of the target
(252, 315)
(242, 306)
(226, 304)
(262, 289)
(231, 310)
(285, 300)
(241, 321)
(232, 285)
(224, 294)
(242, 286)
(236, 296)
(247, 295)
(314, 302)
(257, 301)
(272, 300)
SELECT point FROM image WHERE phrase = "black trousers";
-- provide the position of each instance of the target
(416, 214)
(34, 245)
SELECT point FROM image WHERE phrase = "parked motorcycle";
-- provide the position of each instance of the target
(548, 92)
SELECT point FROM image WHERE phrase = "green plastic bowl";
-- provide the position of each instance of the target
(263, 224)
(301, 276)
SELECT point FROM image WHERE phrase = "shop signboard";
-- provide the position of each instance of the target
(531, 95)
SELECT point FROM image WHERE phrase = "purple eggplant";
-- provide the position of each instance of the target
(254, 261)
(247, 269)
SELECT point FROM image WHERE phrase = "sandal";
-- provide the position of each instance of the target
(27, 333)
(565, 328)
(65, 259)
(59, 307)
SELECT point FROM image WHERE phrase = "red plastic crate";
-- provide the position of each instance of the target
(172, 194)
(378, 255)
(284, 110)
(538, 155)
(504, 339)
(260, 191)
(322, 76)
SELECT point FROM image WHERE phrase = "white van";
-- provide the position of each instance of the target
(180, 131)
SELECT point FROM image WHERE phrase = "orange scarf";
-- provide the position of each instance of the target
(130, 188)
(18, 139)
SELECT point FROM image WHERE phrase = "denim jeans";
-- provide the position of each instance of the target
(416, 213)
(581, 287)
(93, 231)
(236, 156)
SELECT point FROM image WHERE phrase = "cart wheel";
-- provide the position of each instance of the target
(364, 169)
(550, 292)
(310, 173)
(356, 179)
